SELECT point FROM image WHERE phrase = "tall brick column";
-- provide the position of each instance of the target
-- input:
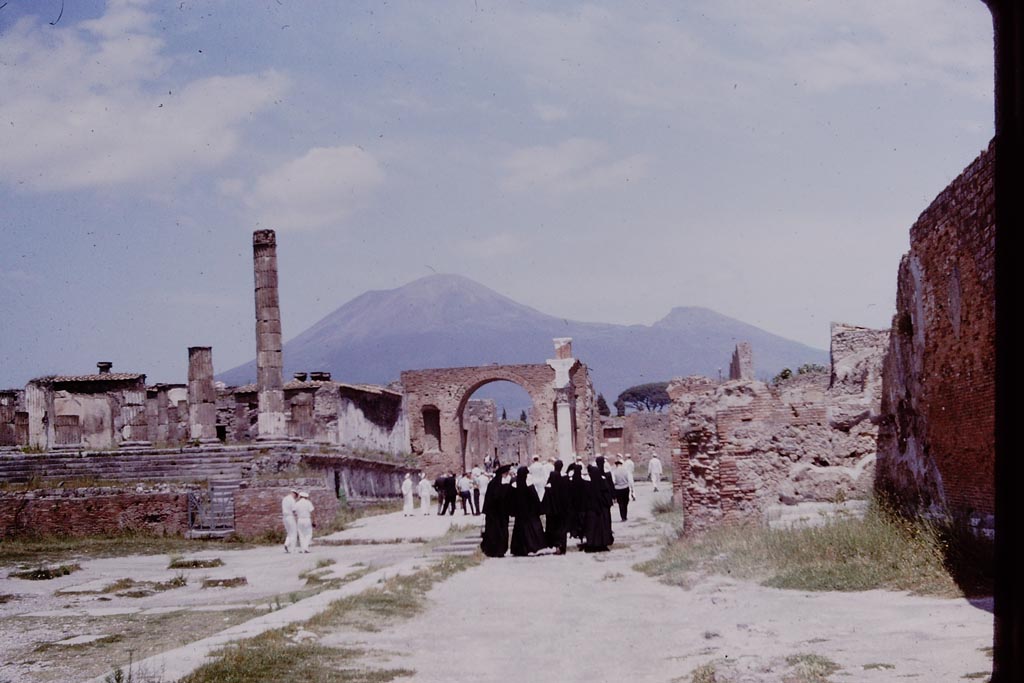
(269, 382)
(202, 395)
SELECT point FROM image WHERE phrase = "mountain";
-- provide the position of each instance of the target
(450, 320)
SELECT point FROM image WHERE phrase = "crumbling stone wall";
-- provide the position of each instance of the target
(94, 412)
(936, 443)
(743, 446)
(514, 442)
(94, 511)
(480, 420)
(640, 434)
(11, 405)
(258, 506)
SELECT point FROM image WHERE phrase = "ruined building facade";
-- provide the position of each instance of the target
(743, 448)
(936, 444)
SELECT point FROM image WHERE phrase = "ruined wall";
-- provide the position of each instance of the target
(13, 418)
(936, 444)
(93, 511)
(514, 442)
(638, 434)
(258, 507)
(743, 446)
(480, 420)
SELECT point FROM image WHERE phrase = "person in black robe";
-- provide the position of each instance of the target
(527, 532)
(556, 507)
(577, 488)
(598, 526)
(496, 509)
(451, 493)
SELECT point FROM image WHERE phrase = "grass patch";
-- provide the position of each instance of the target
(400, 597)
(665, 506)
(810, 668)
(105, 640)
(273, 656)
(348, 514)
(45, 573)
(883, 550)
(56, 548)
(195, 563)
(705, 673)
(878, 666)
(7, 597)
(225, 583)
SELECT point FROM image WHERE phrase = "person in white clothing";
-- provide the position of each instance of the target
(304, 517)
(408, 504)
(538, 476)
(654, 469)
(291, 538)
(424, 488)
(631, 468)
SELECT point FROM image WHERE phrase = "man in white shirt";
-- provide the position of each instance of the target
(304, 518)
(291, 538)
(538, 476)
(654, 469)
(631, 468)
(408, 504)
(621, 481)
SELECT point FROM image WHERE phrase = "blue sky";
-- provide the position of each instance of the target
(597, 161)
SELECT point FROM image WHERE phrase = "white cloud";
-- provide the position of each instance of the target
(318, 189)
(550, 112)
(90, 105)
(570, 166)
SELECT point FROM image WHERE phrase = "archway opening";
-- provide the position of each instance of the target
(498, 425)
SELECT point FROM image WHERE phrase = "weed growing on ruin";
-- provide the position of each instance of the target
(878, 666)
(232, 582)
(665, 506)
(178, 562)
(274, 656)
(45, 573)
(810, 668)
(883, 550)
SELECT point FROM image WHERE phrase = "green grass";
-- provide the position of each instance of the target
(810, 668)
(57, 548)
(225, 583)
(883, 550)
(195, 563)
(878, 666)
(273, 657)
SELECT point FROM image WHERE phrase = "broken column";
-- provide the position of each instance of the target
(269, 362)
(562, 363)
(202, 395)
(742, 364)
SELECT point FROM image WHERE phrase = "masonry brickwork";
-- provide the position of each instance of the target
(742, 446)
(936, 445)
(640, 435)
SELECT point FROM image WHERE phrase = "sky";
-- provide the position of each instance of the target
(599, 161)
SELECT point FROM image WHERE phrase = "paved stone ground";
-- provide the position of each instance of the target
(577, 617)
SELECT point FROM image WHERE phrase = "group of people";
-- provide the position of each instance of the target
(575, 503)
(297, 511)
(449, 488)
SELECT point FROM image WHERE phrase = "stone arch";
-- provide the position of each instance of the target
(562, 382)
(465, 392)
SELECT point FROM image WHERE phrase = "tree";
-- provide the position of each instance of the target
(783, 375)
(808, 368)
(602, 406)
(522, 416)
(652, 396)
(504, 415)
(620, 407)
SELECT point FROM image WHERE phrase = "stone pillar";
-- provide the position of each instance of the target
(269, 382)
(202, 395)
(562, 363)
(742, 364)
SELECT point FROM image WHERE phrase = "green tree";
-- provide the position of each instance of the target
(808, 368)
(652, 396)
(522, 416)
(504, 415)
(620, 407)
(602, 406)
(783, 375)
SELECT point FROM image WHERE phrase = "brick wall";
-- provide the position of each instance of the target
(936, 446)
(81, 512)
(258, 508)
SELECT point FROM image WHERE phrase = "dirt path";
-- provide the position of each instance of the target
(593, 618)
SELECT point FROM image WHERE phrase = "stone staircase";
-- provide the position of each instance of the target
(187, 465)
(213, 515)
(462, 545)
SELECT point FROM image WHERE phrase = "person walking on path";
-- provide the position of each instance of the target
(496, 511)
(598, 528)
(424, 488)
(451, 492)
(621, 482)
(439, 488)
(291, 529)
(556, 507)
(304, 516)
(408, 502)
(466, 493)
(527, 532)
(631, 468)
(654, 469)
(479, 490)
(538, 476)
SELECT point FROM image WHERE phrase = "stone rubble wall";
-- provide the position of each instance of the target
(258, 507)
(743, 446)
(643, 433)
(936, 442)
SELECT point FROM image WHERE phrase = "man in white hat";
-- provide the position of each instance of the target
(424, 488)
(304, 518)
(291, 537)
(408, 503)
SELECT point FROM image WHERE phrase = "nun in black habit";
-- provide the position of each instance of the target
(527, 532)
(577, 487)
(598, 527)
(497, 501)
(556, 507)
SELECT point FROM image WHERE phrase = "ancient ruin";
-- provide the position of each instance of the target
(561, 419)
(744, 448)
(640, 435)
(936, 442)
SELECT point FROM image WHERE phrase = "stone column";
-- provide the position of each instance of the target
(269, 362)
(202, 395)
(562, 363)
